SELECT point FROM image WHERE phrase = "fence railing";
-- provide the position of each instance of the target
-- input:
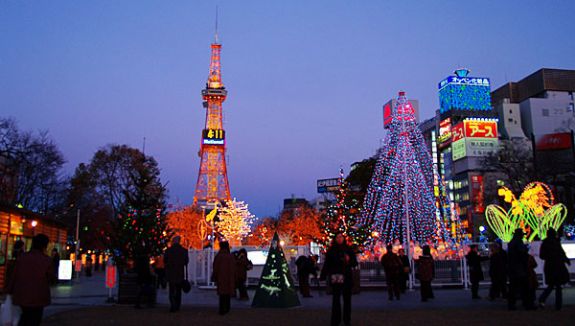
(453, 272)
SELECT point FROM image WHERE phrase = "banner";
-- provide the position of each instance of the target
(553, 141)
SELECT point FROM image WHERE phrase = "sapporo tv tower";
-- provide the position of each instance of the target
(212, 186)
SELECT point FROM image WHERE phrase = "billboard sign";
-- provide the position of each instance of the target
(387, 114)
(553, 141)
(327, 185)
(458, 149)
(480, 128)
(474, 147)
(444, 137)
(457, 132)
(477, 193)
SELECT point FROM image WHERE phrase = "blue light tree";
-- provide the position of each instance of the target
(400, 202)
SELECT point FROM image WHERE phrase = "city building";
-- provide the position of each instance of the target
(462, 134)
(540, 110)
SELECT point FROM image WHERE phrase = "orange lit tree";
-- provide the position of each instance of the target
(262, 233)
(189, 223)
(300, 226)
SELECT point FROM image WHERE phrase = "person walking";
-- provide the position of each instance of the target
(243, 265)
(392, 267)
(88, 265)
(55, 263)
(160, 271)
(556, 273)
(338, 270)
(145, 280)
(498, 272)
(30, 284)
(518, 259)
(304, 269)
(176, 263)
(224, 275)
(406, 268)
(475, 271)
(426, 273)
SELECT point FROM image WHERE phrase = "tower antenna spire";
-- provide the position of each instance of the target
(216, 34)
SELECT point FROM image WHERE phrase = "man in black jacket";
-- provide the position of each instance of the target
(517, 258)
(176, 261)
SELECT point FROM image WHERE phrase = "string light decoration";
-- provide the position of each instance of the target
(234, 221)
(400, 203)
(343, 217)
(534, 211)
(569, 231)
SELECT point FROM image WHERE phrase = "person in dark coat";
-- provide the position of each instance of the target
(340, 260)
(426, 273)
(243, 265)
(224, 275)
(303, 264)
(475, 271)
(175, 263)
(406, 268)
(498, 272)
(556, 273)
(145, 280)
(89, 265)
(55, 263)
(392, 267)
(518, 259)
(532, 278)
(30, 284)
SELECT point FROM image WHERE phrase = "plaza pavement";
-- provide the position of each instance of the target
(85, 301)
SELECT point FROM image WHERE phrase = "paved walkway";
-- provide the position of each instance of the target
(91, 292)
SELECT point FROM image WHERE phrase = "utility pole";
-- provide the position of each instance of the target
(401, 104)
(77, 249)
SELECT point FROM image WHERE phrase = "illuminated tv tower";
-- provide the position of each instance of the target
(212, 186)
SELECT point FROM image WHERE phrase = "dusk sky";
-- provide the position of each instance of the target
(306, 80)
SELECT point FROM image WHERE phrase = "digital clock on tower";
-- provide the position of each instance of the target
(213, 136)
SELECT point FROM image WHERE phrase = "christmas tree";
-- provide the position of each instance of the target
(142, 226)
(276, 288)
(342, 216)
(400, 196)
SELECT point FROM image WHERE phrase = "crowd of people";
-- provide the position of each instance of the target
(512, 274)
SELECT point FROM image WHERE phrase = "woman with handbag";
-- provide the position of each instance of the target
(339, 262)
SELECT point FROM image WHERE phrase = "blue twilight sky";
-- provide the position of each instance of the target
(306, 79)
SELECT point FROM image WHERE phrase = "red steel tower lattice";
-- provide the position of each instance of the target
(212, 186)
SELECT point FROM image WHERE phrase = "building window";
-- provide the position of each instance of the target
(545, 112)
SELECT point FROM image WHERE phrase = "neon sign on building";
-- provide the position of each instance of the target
(461, 92)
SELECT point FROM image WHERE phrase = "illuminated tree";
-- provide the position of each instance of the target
(141, 227)
(262, 233)
(234, 221)
(342, 217)
(189, 223)
(401, 189)
(300, 226)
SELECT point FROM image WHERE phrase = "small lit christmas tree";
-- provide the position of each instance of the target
(343, 216)
(276, 288)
